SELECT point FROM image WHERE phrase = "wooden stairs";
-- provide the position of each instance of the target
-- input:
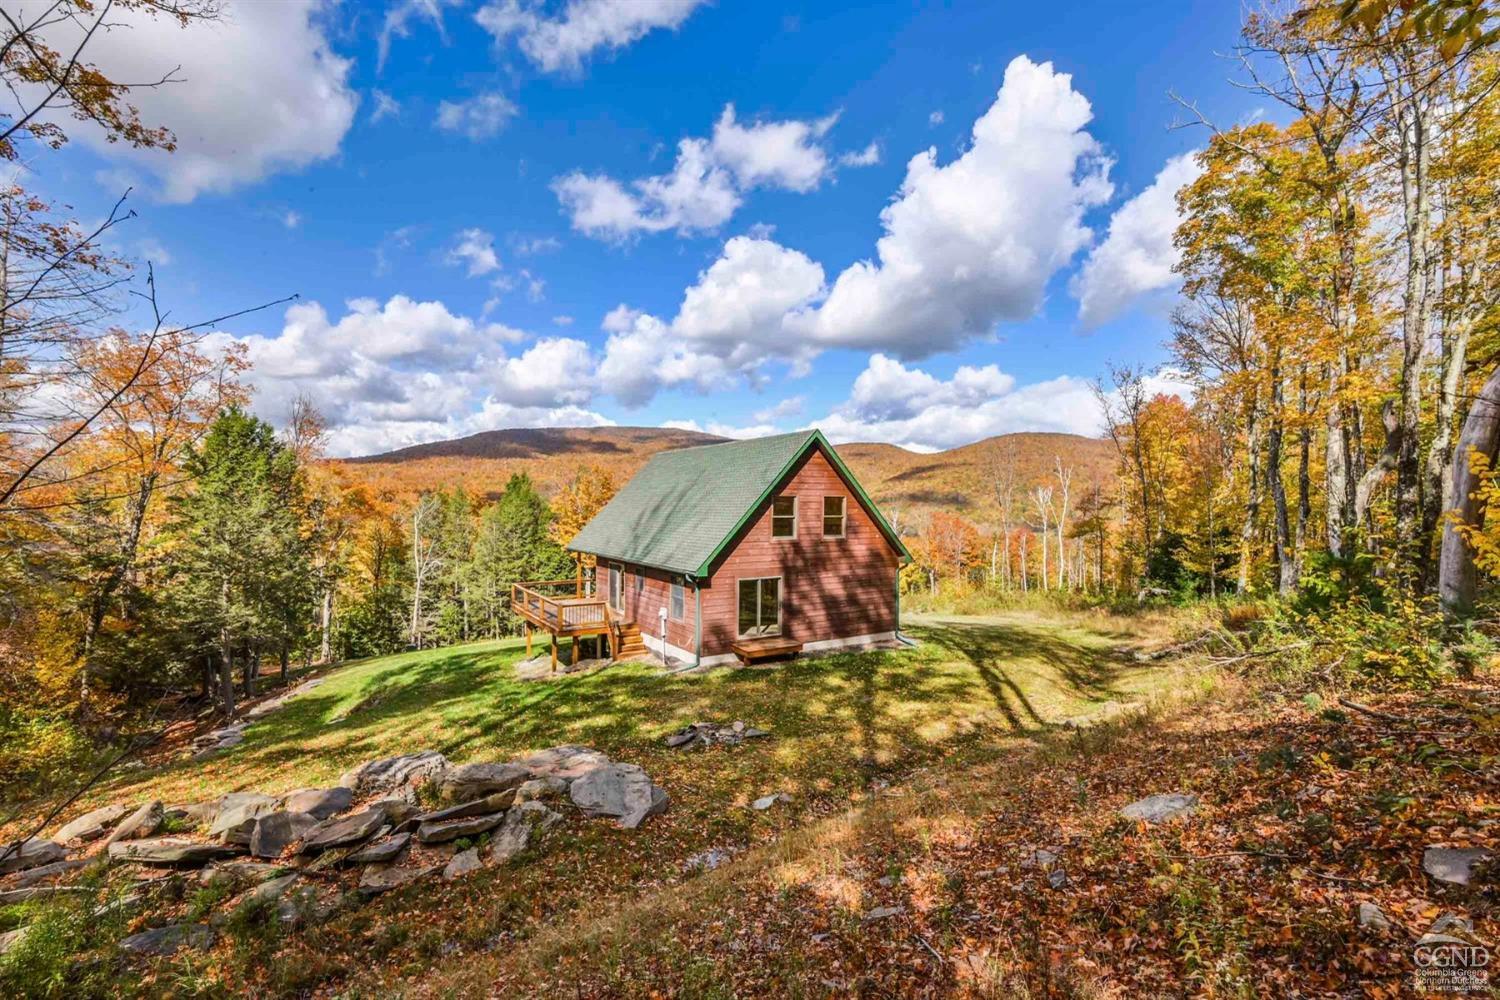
(628, 641)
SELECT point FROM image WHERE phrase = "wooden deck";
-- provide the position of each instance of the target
(769, 648)
(559, 608)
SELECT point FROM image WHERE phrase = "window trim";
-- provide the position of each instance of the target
(843, 515)
(780, 605)
(676, 599)
(616, 572)
(796, 514)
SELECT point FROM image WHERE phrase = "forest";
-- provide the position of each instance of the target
(161, 547)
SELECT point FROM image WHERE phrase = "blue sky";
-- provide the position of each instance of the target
(651, 212)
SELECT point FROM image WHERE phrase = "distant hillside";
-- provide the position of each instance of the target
(907, 483)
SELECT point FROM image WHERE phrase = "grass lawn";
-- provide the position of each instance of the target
(974, 688)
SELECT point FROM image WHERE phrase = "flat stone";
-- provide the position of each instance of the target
(248, 872)
(142, 823)
(1040, 858)
(92, 825)
(376, 879)
(767, 801)
(389, 773)
(462, 864)
(195, 813)
(172, 851)
(12, 939)
(566, 762)
(882, 912)
(319, 802)
(622, 790)
(234, 821)
(12, 896)
(498, 802)
(438, 833)
(267, 892)
(1160, 808)
(542, 790)
(1373, 917)
(1453, 865)
(43, 872)
(524, 824)
(275, 832)
(342, 831)
(472, 781)
(170, 939)
(707, 861)
(381, 851)
(32, 853)
(1057, 878)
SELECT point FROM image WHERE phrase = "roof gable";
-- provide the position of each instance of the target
(685, 507)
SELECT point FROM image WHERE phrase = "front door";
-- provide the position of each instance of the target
(617, 588)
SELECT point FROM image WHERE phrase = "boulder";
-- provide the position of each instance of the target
(1453, 865)
(462, 864)
(172, 851)
(12, 939)
(621, 790)
(472, 781)
(92, 825)
(541, 790)
(390, 773)
(1373, 917)
(44, 872)
(523, 824)
(706, 734)
(234, 821)
(381, 851)
(1160, 808)
(142, 823)
(398, 812)
(32, 853)
(438, 833)
(194, 813)
(169, 939)
(275, 832)
(498, 802)
(240, 872)
(566, 762)
(270, 890)
(320, 803)
(342, 831)
(375, 879)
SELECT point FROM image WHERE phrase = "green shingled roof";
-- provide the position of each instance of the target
(684, 506)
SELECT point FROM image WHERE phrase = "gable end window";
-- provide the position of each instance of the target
(679, 601)
(784, 517)
(833, 517)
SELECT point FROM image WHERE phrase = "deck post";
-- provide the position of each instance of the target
(575, 650)
(554, 651)
(528, 640)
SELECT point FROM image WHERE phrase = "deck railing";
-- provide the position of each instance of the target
(559, 607)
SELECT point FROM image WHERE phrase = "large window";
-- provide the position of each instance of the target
(784, 517)
(833, 517)
(679, 601)
(760, 607)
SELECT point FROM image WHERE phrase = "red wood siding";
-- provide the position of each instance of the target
(831, 588)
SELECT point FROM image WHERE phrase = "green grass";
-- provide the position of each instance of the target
(1017, 672)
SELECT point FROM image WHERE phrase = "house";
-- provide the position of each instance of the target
(747, 549)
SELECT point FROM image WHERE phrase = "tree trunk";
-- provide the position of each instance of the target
(226, 672)
(1440, 454)
(325, 626)
(1252, 500)
(284, 654)
(1458, 578)
(1287, 581)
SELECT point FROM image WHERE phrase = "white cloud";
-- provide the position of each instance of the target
(386, 106)
(475, 249)
(403, 372)
(562, 43)
(973, 243)
(641, 356)
(1137, 255)
(260, 92)
(867, 157)
(536, 245)
(784, 410)
(291, 218)
(707, 183)
(398, 18)
(722, 429)
(914, 409)
(480, 117)
(936, 118)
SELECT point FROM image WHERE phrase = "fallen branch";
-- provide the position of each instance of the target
(1373, 713)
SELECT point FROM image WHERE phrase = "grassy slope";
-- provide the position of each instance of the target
(976, 688)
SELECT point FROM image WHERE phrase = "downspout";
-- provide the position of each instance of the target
(697, 622)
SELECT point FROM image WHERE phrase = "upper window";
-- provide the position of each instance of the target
(784, 517)
(833, 517)
(679, 601)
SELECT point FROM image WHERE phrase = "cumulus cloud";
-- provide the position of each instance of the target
(397, 23)
(479, 117)
(260, 92)
(707, 183)
(974, 242)
(474, 249)
(385, 107)
(1137, 255)
(641, 356)
(722, 429)
(401, 372)
(562, 43)
(867, 157)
